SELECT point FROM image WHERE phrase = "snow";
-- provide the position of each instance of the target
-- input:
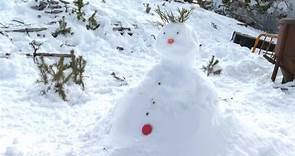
(258, 116)
(169, 97)
(183, 47)
(8, 69)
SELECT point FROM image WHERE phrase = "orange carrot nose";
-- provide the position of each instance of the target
(170, 41)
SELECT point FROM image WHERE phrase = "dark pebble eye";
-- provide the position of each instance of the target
(164, 33)
(177, 33)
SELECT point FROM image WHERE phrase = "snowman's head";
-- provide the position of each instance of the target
(176, 41)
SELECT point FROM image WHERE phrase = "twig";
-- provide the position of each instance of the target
(5, 34)
(26, 30)
(54, 7)
(37, 54)
(52, 22)
(4, 26)
(21, 22)
(53, 55)
(121, 29)
(118, 78)
(64, 2)
(54, 12)
(179, 1)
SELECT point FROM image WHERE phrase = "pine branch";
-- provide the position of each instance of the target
(210, 68)
(92, 23)
(79, 9)
(63, 29)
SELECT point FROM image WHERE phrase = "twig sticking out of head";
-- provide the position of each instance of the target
(170, 17)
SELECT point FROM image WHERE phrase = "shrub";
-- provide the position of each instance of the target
(55, 76)
(92, 23)
(212, 67)
(79, 9)
(62, 29)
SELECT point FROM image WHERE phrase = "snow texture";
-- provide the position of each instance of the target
(257, 116)
(175, 99)
(184, 47)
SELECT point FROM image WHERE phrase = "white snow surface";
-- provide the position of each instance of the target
(180, 109)
(184, 46)
(174, 99)
(258, 117)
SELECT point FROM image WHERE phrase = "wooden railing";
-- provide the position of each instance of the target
(266, 45)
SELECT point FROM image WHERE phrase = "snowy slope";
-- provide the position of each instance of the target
(32, 124)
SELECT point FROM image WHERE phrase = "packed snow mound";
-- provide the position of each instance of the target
(172, 111)
(180, 105)
(177, 43)
(259, 117)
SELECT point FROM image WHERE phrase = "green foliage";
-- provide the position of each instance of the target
(62, 29)
(92, 23)
(79, 9)
(247, 1)
(44, 69)
(226, 2)
(260, 14)
(78, 68)
(206, 4)
(55, 76)
(262, 8)
(169, 17)
(210, 68)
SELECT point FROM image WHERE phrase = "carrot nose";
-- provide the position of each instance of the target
(170, 41)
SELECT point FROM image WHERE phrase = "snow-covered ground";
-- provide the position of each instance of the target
(32, 124)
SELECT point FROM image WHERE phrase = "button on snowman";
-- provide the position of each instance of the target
(171, 112)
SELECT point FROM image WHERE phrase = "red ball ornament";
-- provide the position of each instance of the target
(147, 129)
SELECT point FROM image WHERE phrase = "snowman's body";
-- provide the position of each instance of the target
(175, 100)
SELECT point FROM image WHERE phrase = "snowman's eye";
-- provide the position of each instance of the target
(177, 32)
(164, 33)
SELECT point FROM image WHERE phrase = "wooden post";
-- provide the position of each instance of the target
(285, 50)
(274, 73)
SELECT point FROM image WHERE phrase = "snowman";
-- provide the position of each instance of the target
(172, 111)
